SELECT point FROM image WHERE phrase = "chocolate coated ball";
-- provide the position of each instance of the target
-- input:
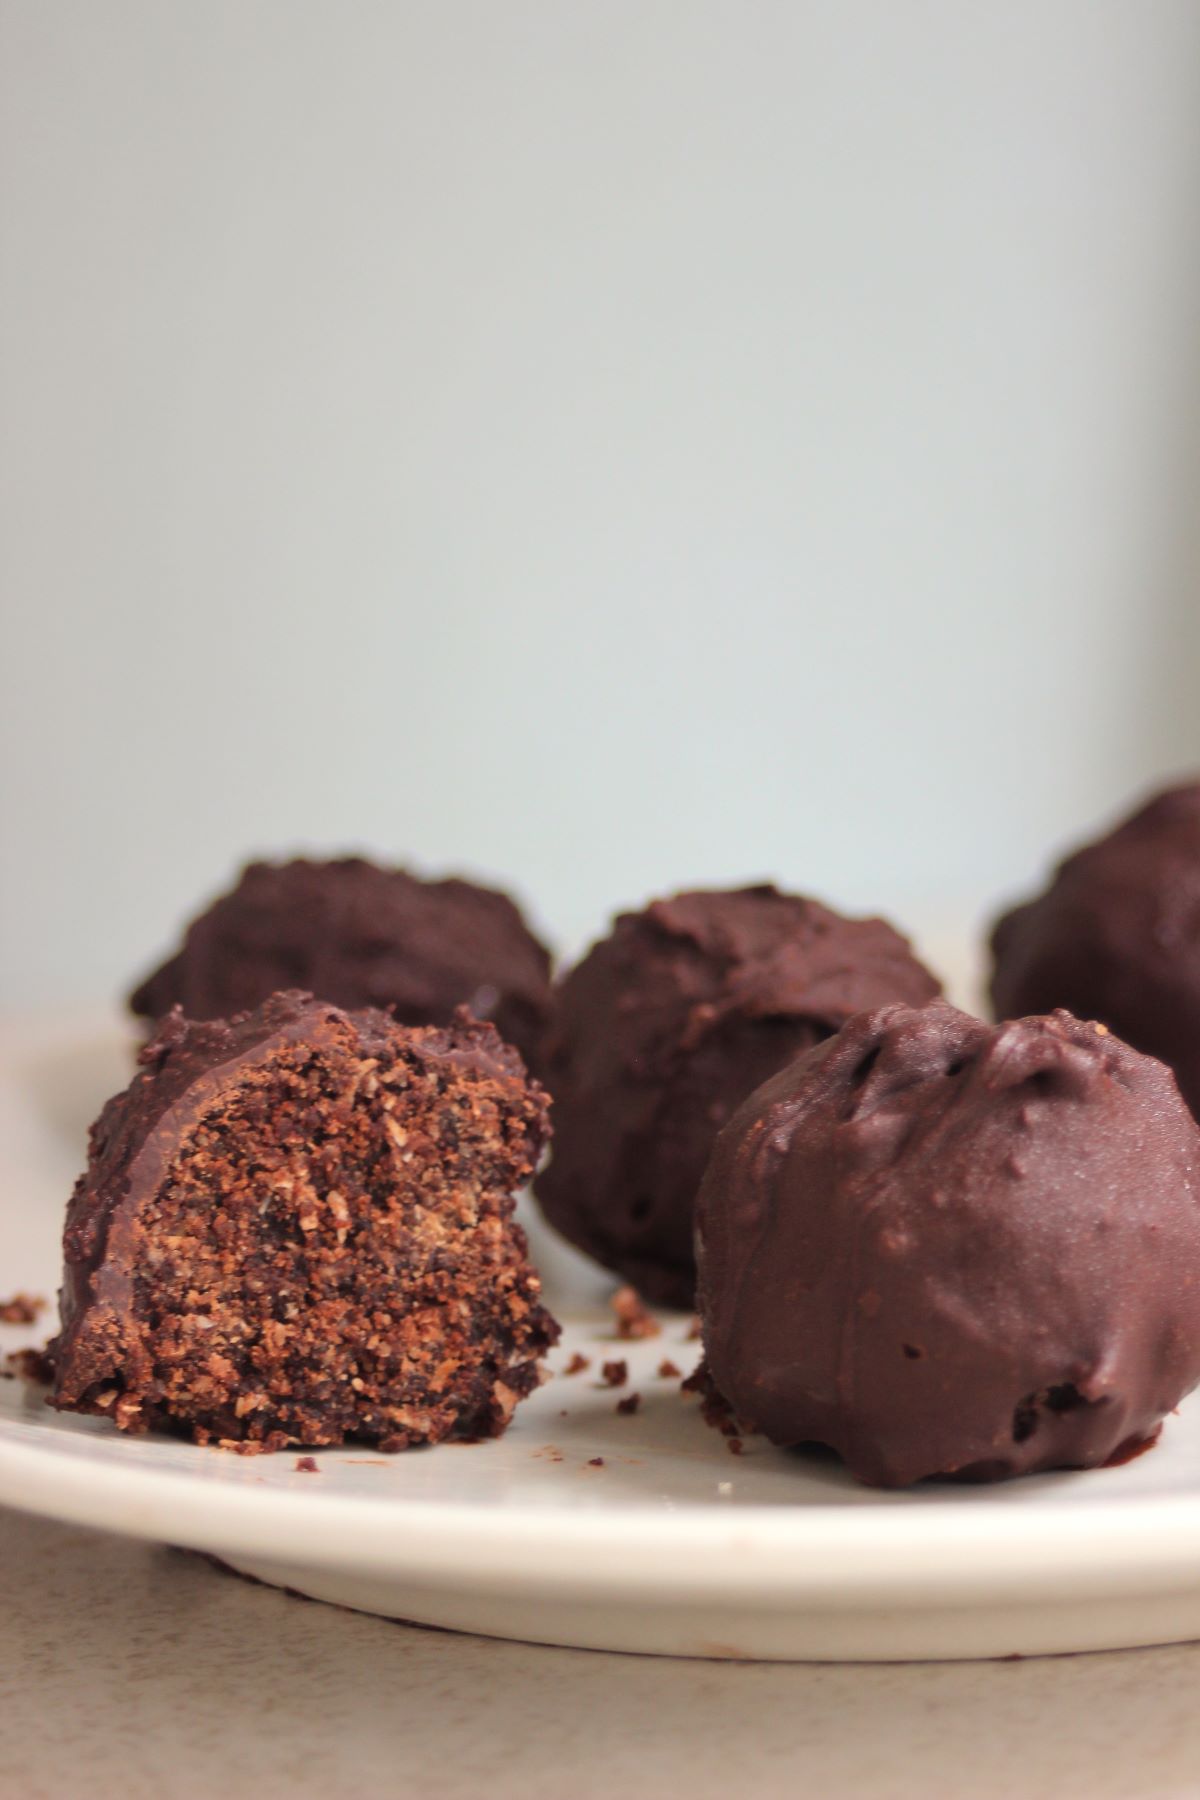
(663, 1029)
(947, 1248)
(358, 935)
(1116, 936)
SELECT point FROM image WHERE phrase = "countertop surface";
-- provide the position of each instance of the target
(132, 1671)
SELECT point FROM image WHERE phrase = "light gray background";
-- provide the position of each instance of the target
(607, 445)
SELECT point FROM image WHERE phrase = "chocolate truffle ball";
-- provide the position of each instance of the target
(296, 1227)
(946, 1248)
(1116, 936)
(663, 1029)
(359, 935)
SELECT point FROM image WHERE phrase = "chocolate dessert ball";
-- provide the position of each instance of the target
(663, 1029)
(359, 935)
(296, 1228)
(1116, 936)
(947, 1248)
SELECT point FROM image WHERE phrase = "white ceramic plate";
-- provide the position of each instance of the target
(670, 1545)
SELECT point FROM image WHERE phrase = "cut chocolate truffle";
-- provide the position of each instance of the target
(1116, 936)
(946, 1248)
(296, 1228)
(663, 1029)
(358, 935)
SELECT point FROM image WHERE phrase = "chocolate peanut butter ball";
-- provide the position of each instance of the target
(663, 1029)
(359, 935)
(296, 1227)
(942, 1247)
(1116, 936)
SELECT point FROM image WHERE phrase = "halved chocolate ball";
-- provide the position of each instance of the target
(296, 1228)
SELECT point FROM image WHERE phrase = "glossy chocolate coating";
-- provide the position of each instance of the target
(360, 936)
(947, 1248)
(1116, 936)
(663, 1029)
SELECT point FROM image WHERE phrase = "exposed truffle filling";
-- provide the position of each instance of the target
(331, 1255)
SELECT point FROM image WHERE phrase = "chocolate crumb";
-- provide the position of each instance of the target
(634, 1320)
(577, 1364)
(715, 1410)
(595, 1462)
(33, 1365)
(306, 1465)
(629, 1404)
(734, 1445)
(22, 1309)
(614, 1374)
(667, 1370)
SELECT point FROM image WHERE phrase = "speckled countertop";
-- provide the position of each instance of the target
(145, 1674)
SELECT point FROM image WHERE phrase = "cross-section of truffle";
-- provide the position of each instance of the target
(296, 1228)
(359, 935)
(663, 1029)
(946, 1248)
(1116, 936)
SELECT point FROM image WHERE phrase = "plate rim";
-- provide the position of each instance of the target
(841, 1553)
(728, 1552)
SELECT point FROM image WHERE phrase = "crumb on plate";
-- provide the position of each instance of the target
(634, 1319)
(22, 1309)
